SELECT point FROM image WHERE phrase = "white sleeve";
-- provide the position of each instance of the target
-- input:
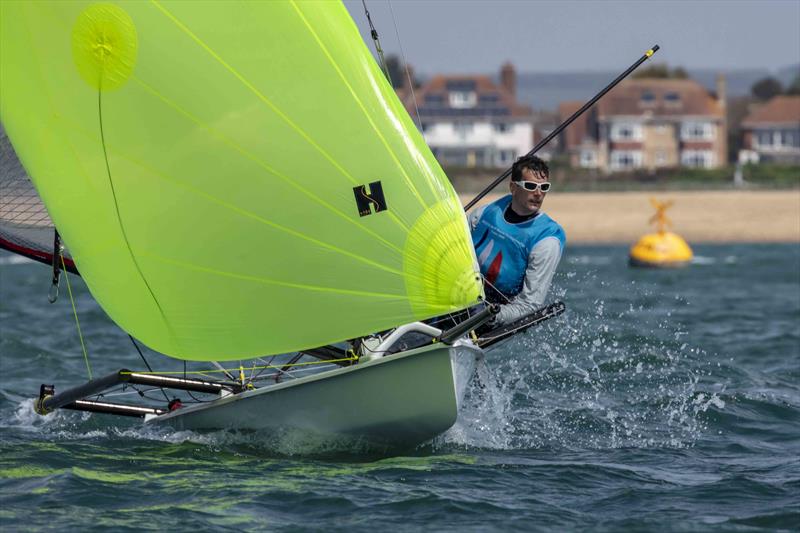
(475, 216)
(542, 263)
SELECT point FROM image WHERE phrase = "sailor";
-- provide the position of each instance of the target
(518, 246)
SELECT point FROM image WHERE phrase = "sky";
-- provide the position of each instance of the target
(477, 36)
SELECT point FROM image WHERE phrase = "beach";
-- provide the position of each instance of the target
(698, 216)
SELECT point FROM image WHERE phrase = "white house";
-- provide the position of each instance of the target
(471, 121)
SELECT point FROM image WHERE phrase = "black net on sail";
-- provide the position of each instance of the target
(25, 226)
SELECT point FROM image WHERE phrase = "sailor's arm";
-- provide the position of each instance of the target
(474, 217)
(542, 263)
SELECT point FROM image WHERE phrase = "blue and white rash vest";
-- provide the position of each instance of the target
(519, 260)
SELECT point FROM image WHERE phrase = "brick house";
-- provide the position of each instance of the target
(471, 121)
(649, 124)
(772, 132)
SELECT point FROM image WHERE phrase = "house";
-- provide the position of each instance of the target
(772, 132)
(649, 124)
(471, 121)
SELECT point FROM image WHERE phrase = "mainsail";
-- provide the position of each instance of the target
(234, 179)
(25, 226)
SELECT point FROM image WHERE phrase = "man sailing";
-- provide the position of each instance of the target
(518, 246)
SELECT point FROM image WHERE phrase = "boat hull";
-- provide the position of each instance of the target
(401, 399)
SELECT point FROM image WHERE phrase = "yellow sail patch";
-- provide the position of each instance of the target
(104, 46)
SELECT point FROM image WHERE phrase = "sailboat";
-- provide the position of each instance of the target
(235, 180)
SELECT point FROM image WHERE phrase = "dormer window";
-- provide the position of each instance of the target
(435, 99)
(463, 99)
(672, 99)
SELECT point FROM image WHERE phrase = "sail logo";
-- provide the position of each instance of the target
(366, 200)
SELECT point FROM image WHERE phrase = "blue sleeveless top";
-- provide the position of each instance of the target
(503, 248)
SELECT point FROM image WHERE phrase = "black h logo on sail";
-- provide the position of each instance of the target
(365, 201)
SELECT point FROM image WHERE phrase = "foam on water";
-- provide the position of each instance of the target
(14, 260)
(585, 380)
(588, 381)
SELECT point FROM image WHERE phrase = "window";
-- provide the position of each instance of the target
(626, 131)
(463, 99)
(588, 159)
(672, 99)
(501, 127)
(647, 99)
(463, 129)
(434, 99)
(764, 139)
(697, 158)
(661, 158)
(697, 131)
(625, 159)
(505, 157)
(790, 138)
(488, 98)
(460, 85)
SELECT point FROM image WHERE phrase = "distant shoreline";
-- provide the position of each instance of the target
(698, 216)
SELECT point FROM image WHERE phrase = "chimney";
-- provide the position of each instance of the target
(722, 89)
(508, 78)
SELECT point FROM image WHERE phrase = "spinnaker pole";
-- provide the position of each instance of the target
(566, 123)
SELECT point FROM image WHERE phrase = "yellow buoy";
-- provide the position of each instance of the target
(662, 249)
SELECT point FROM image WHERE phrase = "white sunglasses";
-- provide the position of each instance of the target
(533, 185)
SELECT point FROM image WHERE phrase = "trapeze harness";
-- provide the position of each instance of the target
(503, 242)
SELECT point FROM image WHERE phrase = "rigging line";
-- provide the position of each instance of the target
(145, 362)
(190, 392)
(405, 66)
(486, 281)
(304, 363)
(377, 41)
(265, 166)
(360, 104)
(230, 376)
(253, 378)
(253, 89)
(119, 215)
(77, 322)
(267, 281)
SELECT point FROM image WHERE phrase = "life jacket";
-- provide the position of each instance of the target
(503, 248)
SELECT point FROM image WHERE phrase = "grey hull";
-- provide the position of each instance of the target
(401, 399)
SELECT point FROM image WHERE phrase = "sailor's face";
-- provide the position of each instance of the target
(525, 202)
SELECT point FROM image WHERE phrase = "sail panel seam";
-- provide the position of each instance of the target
(263, 98)
(266, 167)
(358, 101)
(267, 281)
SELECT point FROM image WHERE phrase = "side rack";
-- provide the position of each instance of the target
(74, 398)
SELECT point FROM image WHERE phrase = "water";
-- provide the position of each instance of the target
(662, 400)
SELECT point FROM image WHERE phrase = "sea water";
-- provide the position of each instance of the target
(664, 400)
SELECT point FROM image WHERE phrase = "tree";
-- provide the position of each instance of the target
(794, 87)
(662, 72)
(679, 73)
(766, 88)
(397, 72)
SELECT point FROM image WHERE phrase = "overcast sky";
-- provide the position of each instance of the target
(476, 36)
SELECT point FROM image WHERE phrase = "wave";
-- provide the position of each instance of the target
(8, 259)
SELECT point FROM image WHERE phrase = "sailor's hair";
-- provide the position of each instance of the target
(532, 163)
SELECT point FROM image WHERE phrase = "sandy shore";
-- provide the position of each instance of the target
(699, 216)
